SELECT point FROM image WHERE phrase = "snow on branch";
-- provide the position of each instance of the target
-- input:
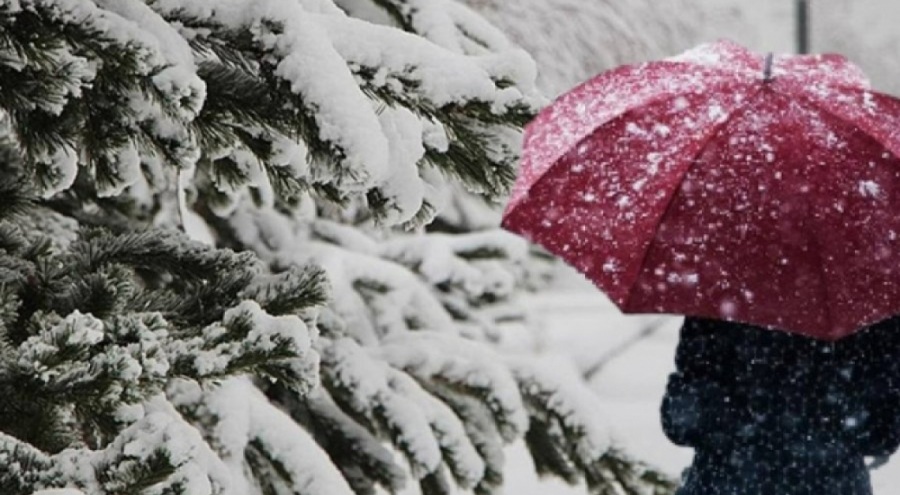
(392, 370)
(348, 357)
(368, 387)
(249, 339)
(268, 99)
(256, 439)
(104, 336)
(131, 462)
(465, 365)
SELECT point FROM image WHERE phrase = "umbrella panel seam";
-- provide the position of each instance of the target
(816, 106)
(691, 163)
(598, 127)
(813, 105)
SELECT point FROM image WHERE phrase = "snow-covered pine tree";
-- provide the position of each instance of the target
(309, 133)
(95, 324)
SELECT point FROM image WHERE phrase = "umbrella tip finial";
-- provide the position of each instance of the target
(767, 67)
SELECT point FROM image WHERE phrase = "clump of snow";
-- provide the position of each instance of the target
(371, 385)
(178, 81)
(464, 364)
(219, 347)
(405, 192)
(77, 331)
(442, 259)
(456, 446)
(869, 188)
(573, 405)
(127, 168)
(157, 433)
(403, 297)
(445, 77)
(240, 417)
(61, 167)
(728, 309)
(706, 54)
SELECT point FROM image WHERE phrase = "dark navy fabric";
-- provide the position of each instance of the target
(772, 413)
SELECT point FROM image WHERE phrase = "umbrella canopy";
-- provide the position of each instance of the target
(716, 184)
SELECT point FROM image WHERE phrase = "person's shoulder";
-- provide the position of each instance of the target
(705, 323)
(724, 330)
(875, 347)
(878, 339)
(886, 330)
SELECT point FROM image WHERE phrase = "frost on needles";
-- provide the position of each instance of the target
(96, 331)
(330, 319)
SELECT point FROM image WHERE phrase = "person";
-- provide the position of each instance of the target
(773, 413)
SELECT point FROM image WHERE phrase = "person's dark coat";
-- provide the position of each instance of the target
(772, 413)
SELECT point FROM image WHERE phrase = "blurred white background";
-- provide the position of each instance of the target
(574, 39)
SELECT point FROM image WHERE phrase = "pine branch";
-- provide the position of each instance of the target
(480, 428)
(631, 476)
(359, 454)
(291, 291)
(471, 154)
(123, 115)
(23, 465)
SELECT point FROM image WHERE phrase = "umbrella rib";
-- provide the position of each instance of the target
(693, 161)
(816, 107)
(814, 239)
(813, 104)
(595, 129)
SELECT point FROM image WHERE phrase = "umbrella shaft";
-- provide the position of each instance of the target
(802, 26)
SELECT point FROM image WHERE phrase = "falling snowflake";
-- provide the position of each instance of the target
(635, 129)
(662, 129)
(728, 308)
(639, 184)
(716, 113)
(655, 159)
(869, 188)
(869, 103)
(611, 266)
(748, 295)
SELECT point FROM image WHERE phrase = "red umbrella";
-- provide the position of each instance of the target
(726, 185)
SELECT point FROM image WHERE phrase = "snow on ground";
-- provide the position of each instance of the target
(582, 327)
